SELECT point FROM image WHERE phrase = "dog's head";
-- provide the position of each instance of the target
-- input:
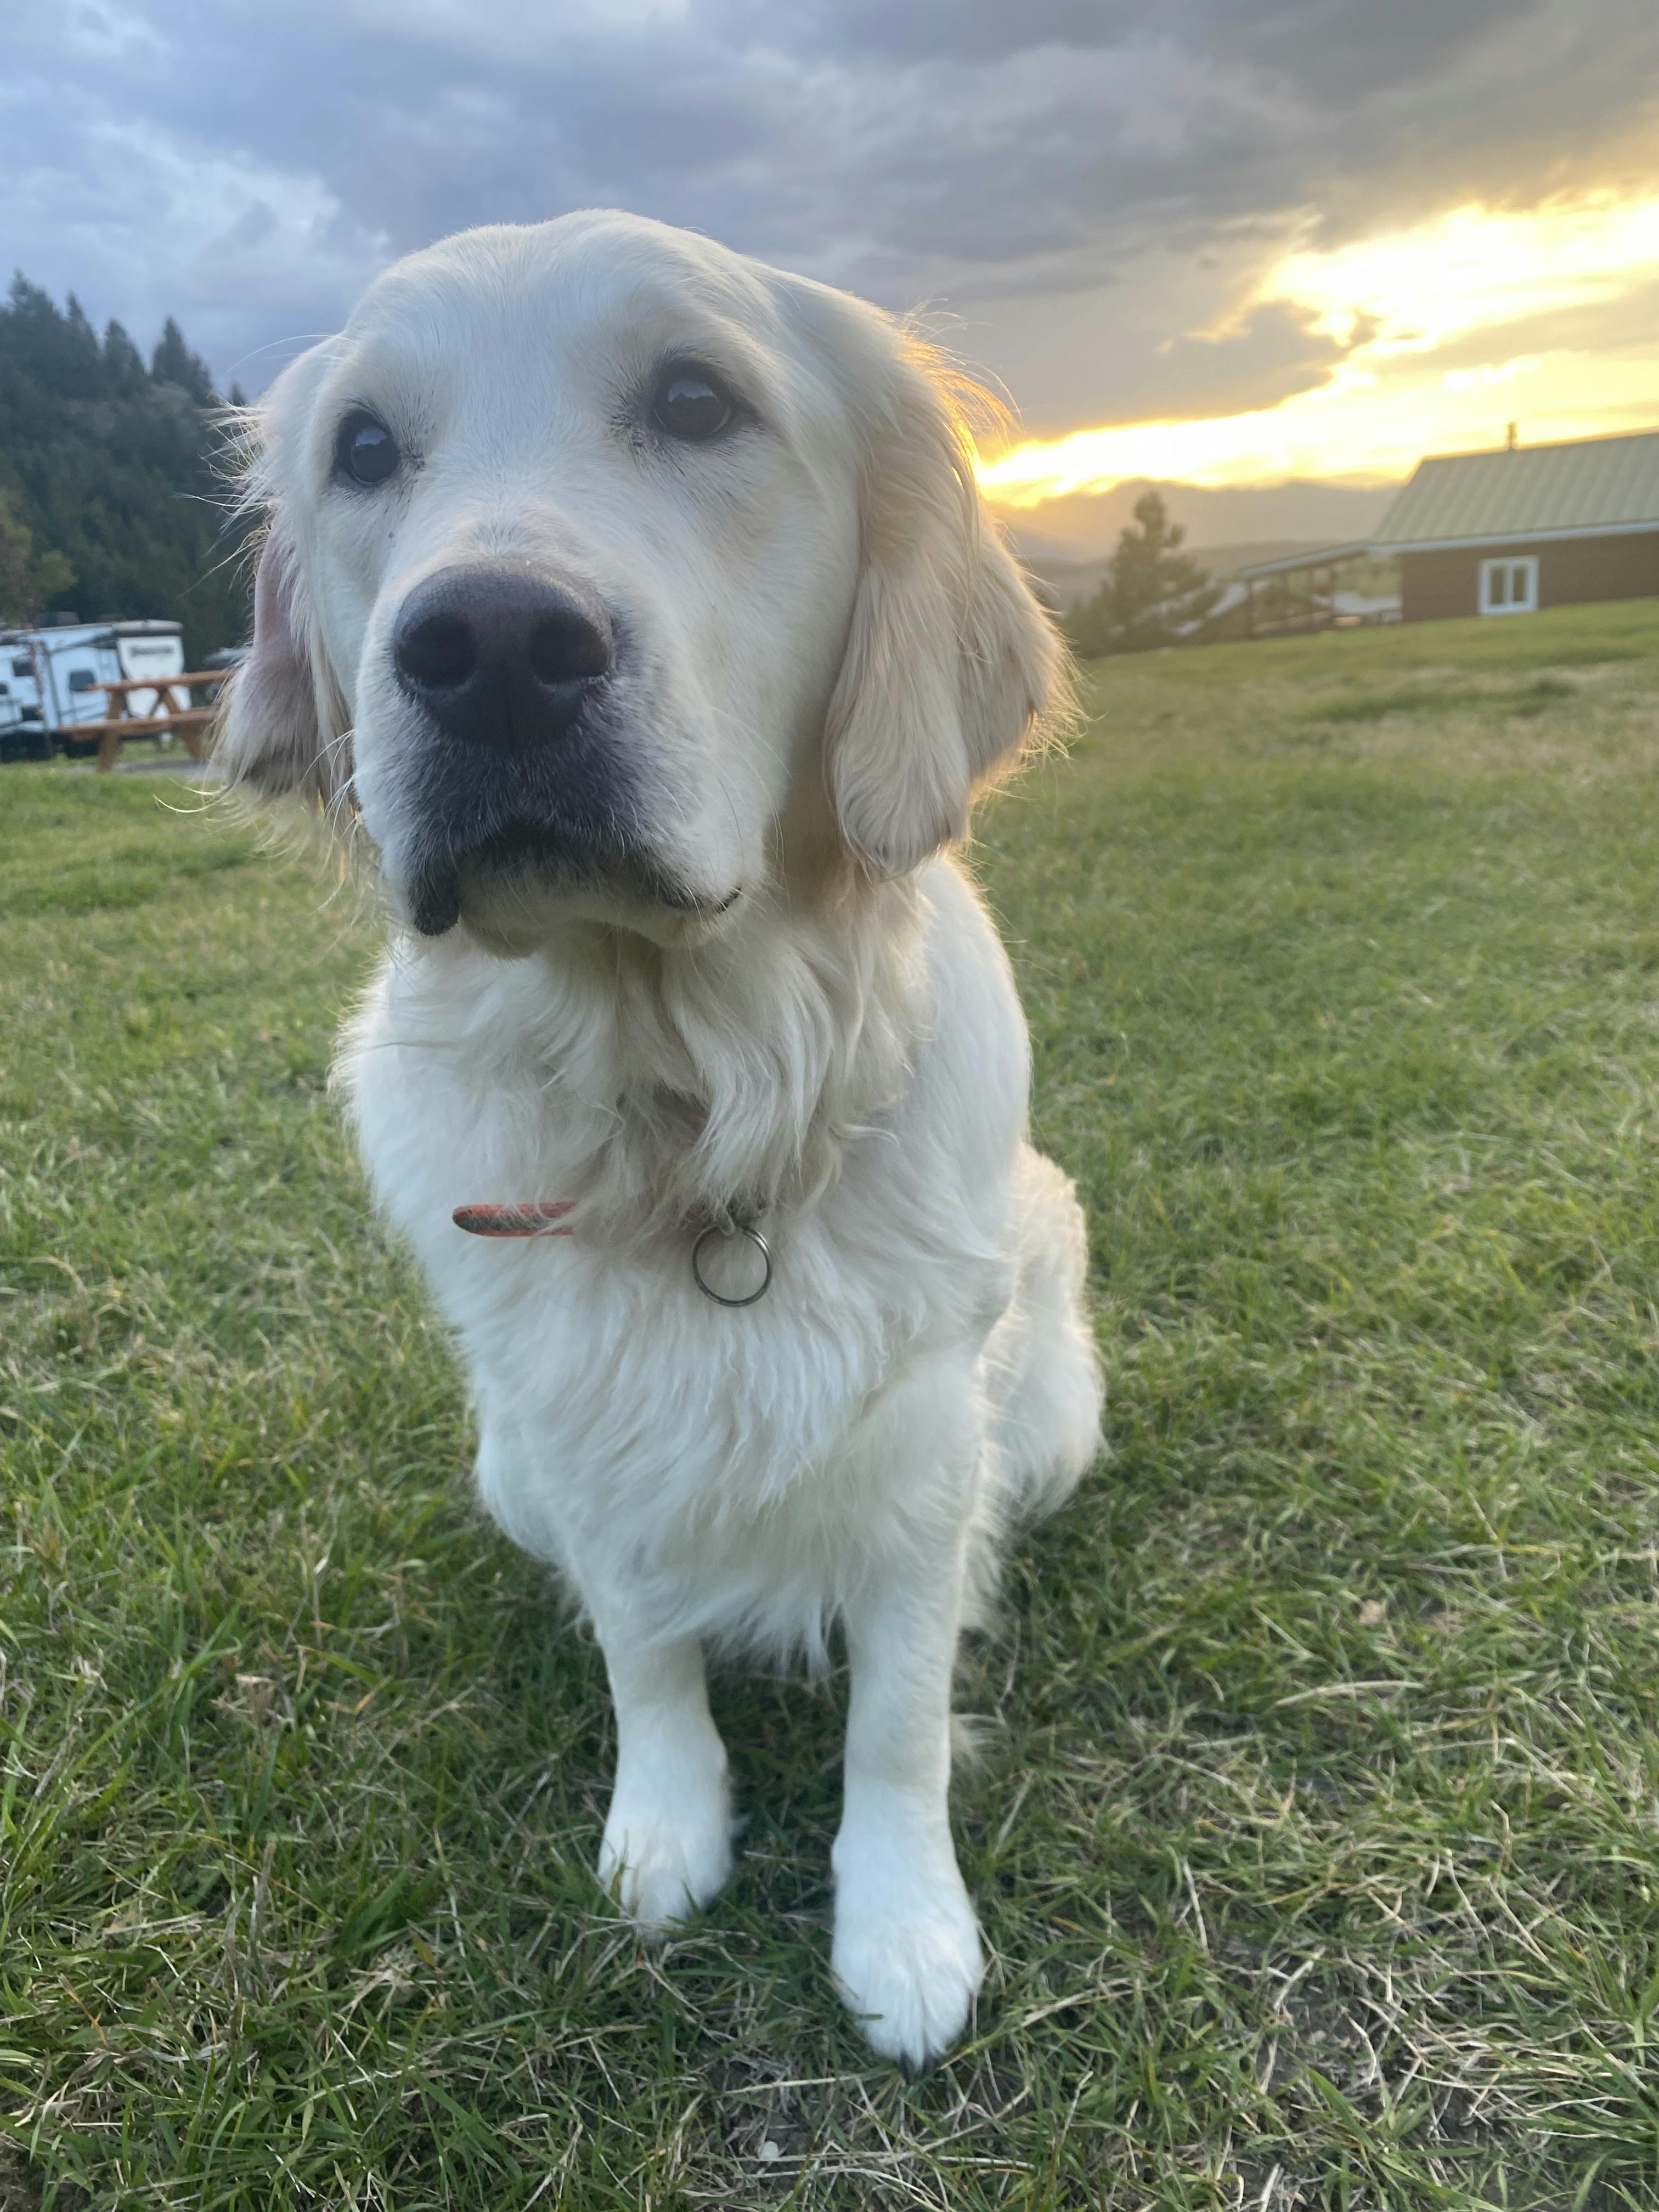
(602, 564)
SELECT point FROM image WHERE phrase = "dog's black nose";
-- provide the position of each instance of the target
(498, 656)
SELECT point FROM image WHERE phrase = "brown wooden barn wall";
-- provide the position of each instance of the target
(1434, 586)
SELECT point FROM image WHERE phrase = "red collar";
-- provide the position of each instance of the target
(534, 1217)
(539, 1217)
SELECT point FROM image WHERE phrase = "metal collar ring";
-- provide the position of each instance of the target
(741, 1229)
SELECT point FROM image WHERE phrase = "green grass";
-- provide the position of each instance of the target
(1317, 1833)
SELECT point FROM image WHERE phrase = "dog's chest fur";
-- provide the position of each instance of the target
(872, 1116)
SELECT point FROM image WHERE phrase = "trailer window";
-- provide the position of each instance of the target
(22, 667)
(82, 679)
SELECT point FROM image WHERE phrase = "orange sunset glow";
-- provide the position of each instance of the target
(1476, 318)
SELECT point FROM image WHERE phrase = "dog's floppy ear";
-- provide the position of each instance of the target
(949, 661)
(283, 726)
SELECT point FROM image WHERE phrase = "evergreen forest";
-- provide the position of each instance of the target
(112, 492)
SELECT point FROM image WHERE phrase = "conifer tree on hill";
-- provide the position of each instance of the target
(110, 500)
(172, 362)
(1151, 593)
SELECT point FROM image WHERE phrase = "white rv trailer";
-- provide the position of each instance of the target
(22, 735)
(73, 661)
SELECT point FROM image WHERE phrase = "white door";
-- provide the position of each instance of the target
(75, 674)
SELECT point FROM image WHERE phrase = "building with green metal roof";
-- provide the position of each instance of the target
(1505, 532)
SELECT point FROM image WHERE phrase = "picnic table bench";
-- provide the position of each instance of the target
(163, 718)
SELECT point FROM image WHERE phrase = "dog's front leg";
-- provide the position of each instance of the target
(667, 1847)
(906, 1950)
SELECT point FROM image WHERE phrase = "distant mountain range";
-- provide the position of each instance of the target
(1245, 521)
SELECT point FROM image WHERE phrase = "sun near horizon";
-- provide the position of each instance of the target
(1449, 331)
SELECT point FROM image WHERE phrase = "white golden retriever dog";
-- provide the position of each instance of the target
(637, 598)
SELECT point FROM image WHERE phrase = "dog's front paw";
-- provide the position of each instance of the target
(666, 1855)
(907, 1952)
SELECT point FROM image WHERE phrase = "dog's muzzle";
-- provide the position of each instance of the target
(518, 767)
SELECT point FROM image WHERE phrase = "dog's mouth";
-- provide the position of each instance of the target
(521, 859)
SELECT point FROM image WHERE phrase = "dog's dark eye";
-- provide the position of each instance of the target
(691, 403)
(366, 450)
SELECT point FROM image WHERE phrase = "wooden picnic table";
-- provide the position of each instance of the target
(166, 718)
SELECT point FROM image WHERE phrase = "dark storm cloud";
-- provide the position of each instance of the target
(248, 166)
(1275, 350)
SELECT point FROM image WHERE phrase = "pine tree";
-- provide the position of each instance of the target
(124, 373)
(172, 362)
(59, 349)
(1151, 593)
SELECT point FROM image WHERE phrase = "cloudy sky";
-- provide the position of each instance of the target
(1227, 242)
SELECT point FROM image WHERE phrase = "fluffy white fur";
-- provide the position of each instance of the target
(832, 652)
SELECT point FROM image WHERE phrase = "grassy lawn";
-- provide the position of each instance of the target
(1316, 1835)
